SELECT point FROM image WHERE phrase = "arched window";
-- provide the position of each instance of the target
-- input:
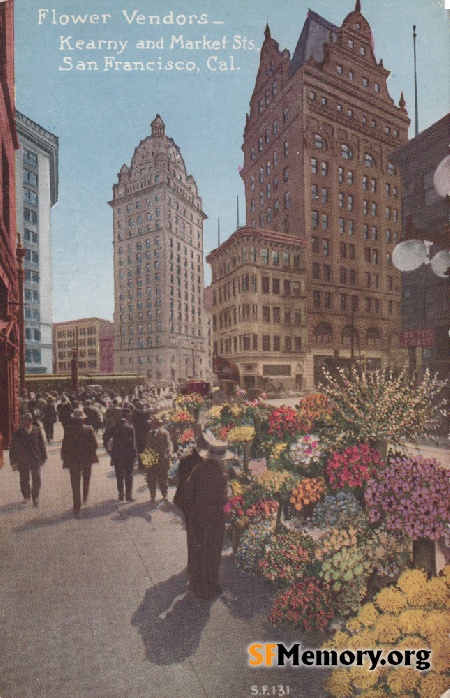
(368, 160)
(346, 152)
(323, 333)
(319, 142)
(373, 337)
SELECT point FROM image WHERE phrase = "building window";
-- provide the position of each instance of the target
(314, 165)
(368, 160)
(316, 270)
(339, 69)
(266, 342)
(346, 152)
(319, 142)
(324, 169)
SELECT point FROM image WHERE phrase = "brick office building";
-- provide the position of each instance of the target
(91, 336)
(10, 303)
(158, 265)
(317, 149)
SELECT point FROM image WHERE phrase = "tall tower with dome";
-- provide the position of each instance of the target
(158, 265)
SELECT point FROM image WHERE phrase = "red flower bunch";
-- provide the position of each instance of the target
(182, 416)
(234, 509)
(187, 436)
(284, 421)
(263, 509)
(353, 467)
(306, 605)
(286, 556)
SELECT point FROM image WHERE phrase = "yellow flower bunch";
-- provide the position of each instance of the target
(149, 458)
(389, 624)
(368, 615)
(436, 594)
(336, 539)
(241, 434)
(277, 450)
(433, 685)
(387, 628)
(411, 621)
(215, 412)
(412, 583)
(362, 677)
(339, 684)
(236, 410)
(391, 600)
(236, 488)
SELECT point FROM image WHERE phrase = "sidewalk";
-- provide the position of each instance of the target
(95, 607)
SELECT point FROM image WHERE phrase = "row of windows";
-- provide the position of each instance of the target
(250, 342)
(246, 283)
(251, 255)
(371, 255)
(247, 312)
(327, 300)
(347, 154)
(79, 331)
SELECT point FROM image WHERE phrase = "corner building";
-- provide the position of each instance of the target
(317, 146)
(158, 265)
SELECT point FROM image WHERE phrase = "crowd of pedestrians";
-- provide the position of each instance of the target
(131, 427)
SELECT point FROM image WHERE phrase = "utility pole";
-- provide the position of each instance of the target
(415, 84)
(20, 254)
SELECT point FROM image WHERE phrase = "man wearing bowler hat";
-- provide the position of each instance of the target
(158, 440)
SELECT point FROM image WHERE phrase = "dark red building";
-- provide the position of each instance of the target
(10, 302)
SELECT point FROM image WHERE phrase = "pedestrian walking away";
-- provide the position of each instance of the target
(78, 453)
(27, 454)
(64, 410)
(49, 417)
(120, 442)
(141, 427)
(204, 497)
(158, 440)
(93, 415)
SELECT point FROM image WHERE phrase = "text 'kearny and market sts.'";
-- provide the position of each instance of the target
(114, 47)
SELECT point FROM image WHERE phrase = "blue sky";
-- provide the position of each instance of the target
(101, 116)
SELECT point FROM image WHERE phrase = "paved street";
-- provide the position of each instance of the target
(94, 608)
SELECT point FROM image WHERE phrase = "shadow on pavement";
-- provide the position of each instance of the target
(142, 509)
(170, 623)
(105, 508)
(244, 596)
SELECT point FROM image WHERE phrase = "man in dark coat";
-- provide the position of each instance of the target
(78, 453)
(27, 454)
(113, 413)
(49, 417)
(158, 439)
(141, 427)
(120, 441)
(93, 415)
(205, 495)
(64, 411)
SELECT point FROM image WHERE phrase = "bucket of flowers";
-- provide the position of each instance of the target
(242, 436)
(353, 467)
(286, 557)
(307, 605)
(149, 458)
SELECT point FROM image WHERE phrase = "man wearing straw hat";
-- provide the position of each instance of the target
(78, 452)
(158, 440)
(204, 497)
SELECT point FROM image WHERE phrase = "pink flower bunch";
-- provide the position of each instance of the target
(413, 495)
(234, 509)
(223, 431)
(353, 467)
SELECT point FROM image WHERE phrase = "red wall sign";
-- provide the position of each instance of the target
(418, 338)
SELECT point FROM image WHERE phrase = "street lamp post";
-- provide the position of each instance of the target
(20, 254)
